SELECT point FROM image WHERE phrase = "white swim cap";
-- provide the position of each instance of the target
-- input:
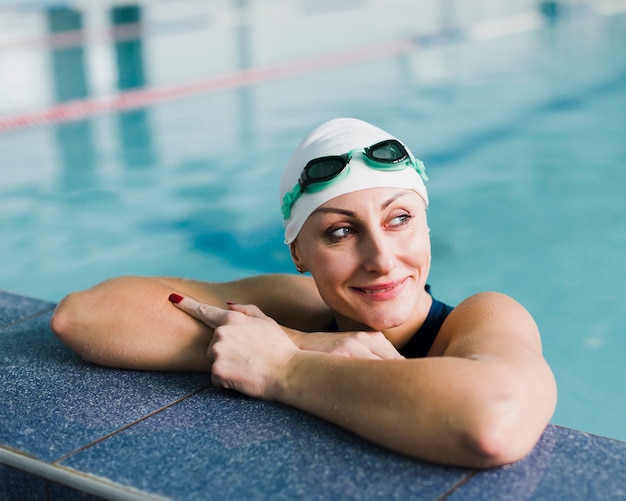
(337, 137)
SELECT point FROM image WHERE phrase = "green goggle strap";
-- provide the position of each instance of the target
(291, 197)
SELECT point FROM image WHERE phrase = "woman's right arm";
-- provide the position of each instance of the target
(128, 322)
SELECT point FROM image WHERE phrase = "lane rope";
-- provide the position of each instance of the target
(83, 108)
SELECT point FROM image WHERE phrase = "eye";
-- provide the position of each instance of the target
(339, 233)
(400, 220)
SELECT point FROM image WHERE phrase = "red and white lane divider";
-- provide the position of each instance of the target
(79, 109)
(82, 108)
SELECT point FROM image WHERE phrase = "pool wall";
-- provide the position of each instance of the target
(71, 430)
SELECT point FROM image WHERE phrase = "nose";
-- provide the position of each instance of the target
(377, 252)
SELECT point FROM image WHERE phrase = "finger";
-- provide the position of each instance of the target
(210, 315)
(250, 310)
(366, 355)
(386, 350)
(216, 381)
(355, 350)
(389, 353)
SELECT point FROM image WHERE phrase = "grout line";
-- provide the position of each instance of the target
(458, 485)
(127, 426)
(28, 317)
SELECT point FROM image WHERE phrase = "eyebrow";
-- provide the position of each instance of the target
(349, 213)
(392, 199)
(332, 210)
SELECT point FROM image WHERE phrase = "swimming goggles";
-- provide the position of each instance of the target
(320, 173)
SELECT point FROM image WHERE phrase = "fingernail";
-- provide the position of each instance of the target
(175, 298)
(230, 303)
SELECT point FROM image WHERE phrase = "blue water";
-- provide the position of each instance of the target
(522, 135)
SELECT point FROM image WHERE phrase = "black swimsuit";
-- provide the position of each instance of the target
(421, 342)
(419, 345)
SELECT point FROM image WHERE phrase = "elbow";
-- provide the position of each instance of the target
(497, 444)
(65, 322)
(70, 326)
(61, 321)
(504, 434)
(511, 419)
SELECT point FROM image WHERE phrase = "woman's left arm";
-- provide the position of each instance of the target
(481, 398)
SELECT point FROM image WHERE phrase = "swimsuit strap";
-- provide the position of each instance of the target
(421, 342)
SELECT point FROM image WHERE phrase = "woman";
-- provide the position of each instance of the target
(362, 344)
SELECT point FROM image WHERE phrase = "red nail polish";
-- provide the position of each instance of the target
(230, 303)
(175, 298)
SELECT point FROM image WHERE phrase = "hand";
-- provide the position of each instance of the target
(249, 350)
(371, 345)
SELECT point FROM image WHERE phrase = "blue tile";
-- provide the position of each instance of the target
(14, 308)
(177, 437)
(52, 402)
(57, 492)
(566, 464)
(222, 444)
(16, 484)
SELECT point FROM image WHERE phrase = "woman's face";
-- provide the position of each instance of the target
(369, 253)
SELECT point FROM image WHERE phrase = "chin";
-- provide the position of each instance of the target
(377, 317)
(384, 322)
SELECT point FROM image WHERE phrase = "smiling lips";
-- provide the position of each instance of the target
(382, 292)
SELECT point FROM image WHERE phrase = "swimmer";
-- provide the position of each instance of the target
(356, 338)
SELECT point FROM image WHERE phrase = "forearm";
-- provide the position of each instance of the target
(439, 409)
(128, 322)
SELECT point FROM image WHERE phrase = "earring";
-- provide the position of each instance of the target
(300, 270)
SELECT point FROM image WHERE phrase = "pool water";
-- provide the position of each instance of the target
(522, 133)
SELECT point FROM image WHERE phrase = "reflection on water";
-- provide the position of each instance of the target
(74, 139)
(134, 125)
(244, 62)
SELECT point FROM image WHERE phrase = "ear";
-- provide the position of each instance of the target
(295, 257)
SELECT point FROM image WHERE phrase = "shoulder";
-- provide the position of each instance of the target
(487, 321)
(493, 305)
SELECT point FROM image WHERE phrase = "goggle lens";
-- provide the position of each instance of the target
(386, 152)
(323, 169)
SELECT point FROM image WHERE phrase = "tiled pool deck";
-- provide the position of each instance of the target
(70, 430)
